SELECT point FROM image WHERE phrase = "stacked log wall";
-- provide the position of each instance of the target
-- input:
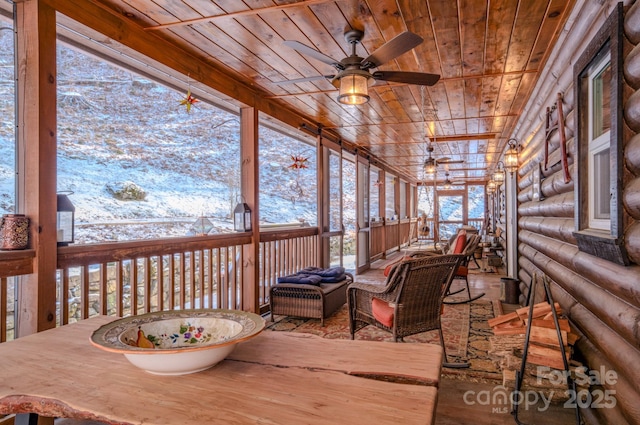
(601, 298)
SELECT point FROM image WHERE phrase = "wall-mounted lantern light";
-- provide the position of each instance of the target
(498, 175)
(65, 219)
(511, 156)
(491, 186)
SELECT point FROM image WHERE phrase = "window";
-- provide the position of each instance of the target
(139, 165)
(288, 192)
(476, 206)
(390, 197)
(598, 85)
(7, 126)
(403, 199)
(599, 140)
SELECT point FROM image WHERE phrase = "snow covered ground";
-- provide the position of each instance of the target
(116, 127)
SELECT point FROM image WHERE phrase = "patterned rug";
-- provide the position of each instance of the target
(465, 329)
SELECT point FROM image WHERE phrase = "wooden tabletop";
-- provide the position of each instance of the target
(274, 378)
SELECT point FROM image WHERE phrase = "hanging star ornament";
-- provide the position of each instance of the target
(298, 162)
(188, 101)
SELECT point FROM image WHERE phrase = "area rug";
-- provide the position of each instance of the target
(465, 329)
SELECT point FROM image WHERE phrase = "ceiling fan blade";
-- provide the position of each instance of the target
(303, 48)
(305, 79)
(393, 48)
(418, 78)
(450, 161)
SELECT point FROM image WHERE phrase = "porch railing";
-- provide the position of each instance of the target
(130, 278)
(283, 253)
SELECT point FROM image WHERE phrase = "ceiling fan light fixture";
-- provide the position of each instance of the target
(430, 167)
(354, 89)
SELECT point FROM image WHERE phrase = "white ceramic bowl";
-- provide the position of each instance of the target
(178, 342)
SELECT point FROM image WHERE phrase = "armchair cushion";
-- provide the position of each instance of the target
(382, 311)
(459, 244)
(387, 270)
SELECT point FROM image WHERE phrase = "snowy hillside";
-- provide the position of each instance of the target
(115, 127)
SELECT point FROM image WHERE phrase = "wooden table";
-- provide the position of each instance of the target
(274, 378)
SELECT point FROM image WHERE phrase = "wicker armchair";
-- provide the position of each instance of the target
(413, 294)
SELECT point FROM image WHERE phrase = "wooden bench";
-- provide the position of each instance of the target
(308, 301)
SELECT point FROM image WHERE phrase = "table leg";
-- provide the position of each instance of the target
(32, 419)
(26, 419)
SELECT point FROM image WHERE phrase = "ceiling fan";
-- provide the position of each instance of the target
(354, 71)
(431, 163)
(448, 182)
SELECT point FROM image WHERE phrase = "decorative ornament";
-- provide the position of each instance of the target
(299, 162)
(189, 100)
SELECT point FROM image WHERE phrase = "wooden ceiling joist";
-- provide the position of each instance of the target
(240, 13)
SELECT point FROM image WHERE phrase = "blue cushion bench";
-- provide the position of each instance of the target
(307, 300)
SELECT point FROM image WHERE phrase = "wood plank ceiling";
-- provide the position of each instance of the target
(487, 52)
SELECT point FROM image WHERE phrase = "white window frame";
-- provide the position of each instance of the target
(597, 145)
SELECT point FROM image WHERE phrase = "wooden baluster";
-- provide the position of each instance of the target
(172, 281)
(85, 292)
(192, 279)
(160, 281)
(119, 289)
(104, 289)
(64, 296)
(3, 308)
(147, 284)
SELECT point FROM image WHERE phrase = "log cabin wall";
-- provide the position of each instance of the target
(601, 298)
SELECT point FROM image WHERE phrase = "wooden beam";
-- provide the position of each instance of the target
(250, 190)
(37, 168)
(241, 13)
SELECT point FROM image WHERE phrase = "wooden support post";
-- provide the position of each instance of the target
(36, 191)
(249, 137)
(322, 207)
(382, 210)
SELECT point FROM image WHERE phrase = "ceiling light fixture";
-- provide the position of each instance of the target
(430, 167)
(354, 88)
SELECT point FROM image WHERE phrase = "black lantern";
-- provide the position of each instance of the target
(242, 217)
(65, 222)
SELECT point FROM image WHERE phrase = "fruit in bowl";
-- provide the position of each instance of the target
(178, 342)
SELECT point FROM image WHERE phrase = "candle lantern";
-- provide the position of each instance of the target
(242, 217)
(66, 217)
